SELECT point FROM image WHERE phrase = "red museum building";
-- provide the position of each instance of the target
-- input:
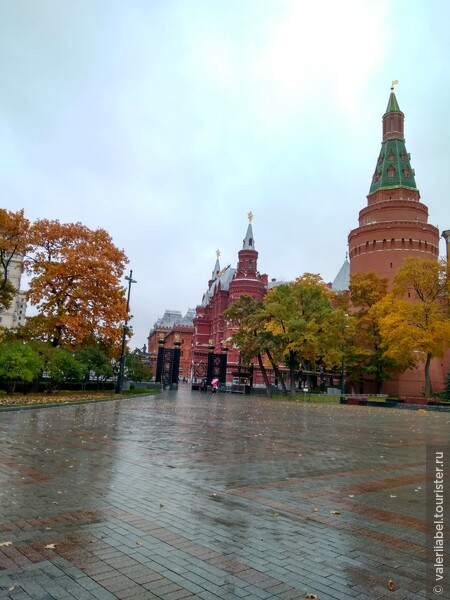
(211, 331)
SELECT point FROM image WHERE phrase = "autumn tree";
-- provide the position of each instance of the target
(301, 317)
(13, 245)
(415, 321)
(366, 291)
(245, 314)
(75, 284)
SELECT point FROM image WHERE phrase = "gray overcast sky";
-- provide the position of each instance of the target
(165, 122)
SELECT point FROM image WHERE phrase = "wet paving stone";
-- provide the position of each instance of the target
(179, 496)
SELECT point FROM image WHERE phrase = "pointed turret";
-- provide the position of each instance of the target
(249, 240)
(216, 270)
(393, 168)
(394, 224)
(246, 279)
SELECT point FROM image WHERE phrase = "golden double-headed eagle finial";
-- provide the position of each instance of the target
(250, 216)
(217, 253)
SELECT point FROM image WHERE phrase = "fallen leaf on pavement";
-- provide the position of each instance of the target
(311, 596)
(335, 512)
(5, 544)
(50, 546)
(391, 585)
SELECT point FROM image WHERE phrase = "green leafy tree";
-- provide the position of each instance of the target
(245, 315)
(136, 369)
(300, 316)
(63, 366)
(19, 363)
(97, 362)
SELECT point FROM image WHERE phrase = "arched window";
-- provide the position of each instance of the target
(391, 172)
(406, 173)
(391, 156)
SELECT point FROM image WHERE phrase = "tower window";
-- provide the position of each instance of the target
(406, 173)
(392, 125)
(403, 156)
(391, 156)
(390, 172)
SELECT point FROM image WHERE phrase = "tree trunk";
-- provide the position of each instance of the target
(262, 368)
(292, 374)
(427, 375)
(277, 372)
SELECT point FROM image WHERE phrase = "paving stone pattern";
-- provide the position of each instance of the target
(180, 496)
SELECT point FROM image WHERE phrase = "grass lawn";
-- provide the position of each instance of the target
(18, 400)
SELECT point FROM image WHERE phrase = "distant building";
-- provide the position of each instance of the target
(15, 314)
(171, 327)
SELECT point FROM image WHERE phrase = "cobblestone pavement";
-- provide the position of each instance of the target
(181, 496)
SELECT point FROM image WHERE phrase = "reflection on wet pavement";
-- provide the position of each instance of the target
(180, 496)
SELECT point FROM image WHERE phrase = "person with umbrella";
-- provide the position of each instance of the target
(215, 385)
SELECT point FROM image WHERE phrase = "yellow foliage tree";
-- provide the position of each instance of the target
(414, 318)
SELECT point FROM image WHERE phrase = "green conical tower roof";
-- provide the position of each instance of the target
(392, 104)
(393, 168)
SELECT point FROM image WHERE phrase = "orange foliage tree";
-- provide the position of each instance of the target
(75, 284)
(13, 244)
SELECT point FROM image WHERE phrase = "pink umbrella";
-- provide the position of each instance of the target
(215, 382)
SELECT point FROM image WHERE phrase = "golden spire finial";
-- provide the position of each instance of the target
(250, 216)
(394, 82)
(217, 253)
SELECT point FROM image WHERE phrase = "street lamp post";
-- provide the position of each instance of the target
(119, 384)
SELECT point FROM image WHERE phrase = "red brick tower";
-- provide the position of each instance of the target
(247, 281)
(211, 329)
(394, 224)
